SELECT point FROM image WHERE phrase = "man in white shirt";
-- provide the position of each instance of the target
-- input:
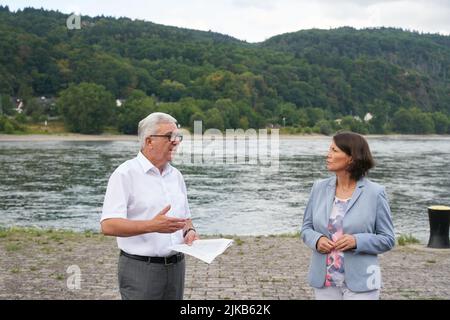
(146, 208)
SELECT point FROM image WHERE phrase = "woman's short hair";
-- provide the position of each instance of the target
(150, 124)
(355, 146)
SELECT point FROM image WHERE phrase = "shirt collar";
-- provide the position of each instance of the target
(147, 165)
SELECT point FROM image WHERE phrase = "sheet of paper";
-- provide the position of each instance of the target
(206, 250)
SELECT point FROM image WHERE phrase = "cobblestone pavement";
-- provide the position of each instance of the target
(34, 266)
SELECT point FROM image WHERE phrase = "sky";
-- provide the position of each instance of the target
(258, 20)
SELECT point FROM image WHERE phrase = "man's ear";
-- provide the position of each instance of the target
(148, 142)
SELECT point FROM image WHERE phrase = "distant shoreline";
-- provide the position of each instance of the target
(112, 137)
(66, 137)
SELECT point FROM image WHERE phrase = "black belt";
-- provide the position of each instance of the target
(164, 260)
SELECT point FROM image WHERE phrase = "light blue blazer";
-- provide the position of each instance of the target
(368, 218)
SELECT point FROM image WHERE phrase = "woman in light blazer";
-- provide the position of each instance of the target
(347, 223)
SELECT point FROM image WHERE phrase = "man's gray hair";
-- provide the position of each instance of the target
(149, 125)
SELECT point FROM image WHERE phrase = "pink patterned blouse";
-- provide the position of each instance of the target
(335, 259)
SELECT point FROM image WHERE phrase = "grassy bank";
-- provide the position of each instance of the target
(52, 127)
(17, 234)
(18, 239)
(15, 237)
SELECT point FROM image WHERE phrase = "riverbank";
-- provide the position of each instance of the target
(34, 263)
(66, 137)
(112, 137)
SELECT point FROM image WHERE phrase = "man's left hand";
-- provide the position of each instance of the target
(190, 237)
(346, 242)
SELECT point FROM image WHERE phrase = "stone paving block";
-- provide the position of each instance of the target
(260, 268)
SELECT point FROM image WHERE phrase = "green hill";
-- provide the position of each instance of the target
(302, 79)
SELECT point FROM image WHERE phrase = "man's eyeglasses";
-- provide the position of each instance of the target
(173, 137)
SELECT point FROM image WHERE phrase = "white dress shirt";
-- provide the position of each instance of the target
(138, 191)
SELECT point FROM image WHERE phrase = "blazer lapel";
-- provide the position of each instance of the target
(358, 190)
(331, 192)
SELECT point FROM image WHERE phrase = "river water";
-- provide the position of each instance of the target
(61, 184)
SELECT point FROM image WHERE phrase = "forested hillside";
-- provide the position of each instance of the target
(312, 80)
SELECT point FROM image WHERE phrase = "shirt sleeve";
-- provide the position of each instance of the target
(384, 237)
(116, 197)
(307, 232)
(186, 204)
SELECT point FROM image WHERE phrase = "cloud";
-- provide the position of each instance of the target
(257, 20)
(265, 5)
(290, 15)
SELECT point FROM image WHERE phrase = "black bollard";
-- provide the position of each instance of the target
(439, 217)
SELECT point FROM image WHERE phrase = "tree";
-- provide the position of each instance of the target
(86, 107)
(243, 123)
(9, 125)
(325, 74)
(171, 90)
(229, 111)
(441, 122)
(325, 127)
(35, 109)
(380, 111)
(423, 122)
(413, 121)
(287, 114)
(136, 108)
(197, 116)
(254, 119)
(6, 106)
(314, 115)
(184, 109)
(214, 119)
(402, 121)
(351, 124)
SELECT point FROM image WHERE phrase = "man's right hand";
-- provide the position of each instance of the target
(163, 224)
(325, 245)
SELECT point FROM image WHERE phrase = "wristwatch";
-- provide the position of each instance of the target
(186, 232)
